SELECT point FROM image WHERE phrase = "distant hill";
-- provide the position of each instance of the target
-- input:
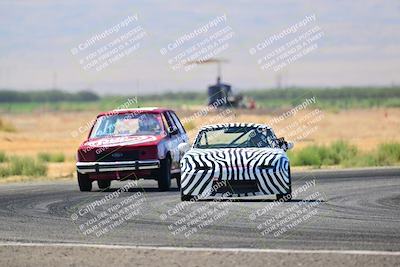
(11, 96)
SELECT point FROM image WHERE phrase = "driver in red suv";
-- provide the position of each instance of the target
(131, 144)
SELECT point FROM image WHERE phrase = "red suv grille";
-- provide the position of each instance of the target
(118, 155)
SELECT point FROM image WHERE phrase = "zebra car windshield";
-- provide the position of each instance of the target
(234, 137)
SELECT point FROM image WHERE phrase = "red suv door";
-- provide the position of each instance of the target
(178, 136)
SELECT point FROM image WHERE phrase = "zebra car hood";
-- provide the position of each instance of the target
(232, 157)
(267, 167)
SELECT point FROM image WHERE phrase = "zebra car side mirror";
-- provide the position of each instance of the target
(284, 144)
(290, 145)
(183, 148)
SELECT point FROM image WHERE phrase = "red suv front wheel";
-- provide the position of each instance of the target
(164, 176)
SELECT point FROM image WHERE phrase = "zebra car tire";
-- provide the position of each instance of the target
(284, 197)
(164, 176)
(178, 180)
(186, 197)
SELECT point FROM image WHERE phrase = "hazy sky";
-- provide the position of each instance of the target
(360, 43)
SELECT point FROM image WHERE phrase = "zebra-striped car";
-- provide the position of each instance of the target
(235, 159)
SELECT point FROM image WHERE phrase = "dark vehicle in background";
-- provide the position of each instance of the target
(131, 144)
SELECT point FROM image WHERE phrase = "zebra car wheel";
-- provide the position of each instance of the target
(178, 181)
(164, 176)
(186, 197)
(284, 197)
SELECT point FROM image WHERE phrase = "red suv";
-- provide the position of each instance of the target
(131, 144)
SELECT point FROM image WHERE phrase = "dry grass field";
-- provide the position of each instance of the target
(62, 132)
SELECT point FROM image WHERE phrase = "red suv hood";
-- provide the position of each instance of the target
(135, 140)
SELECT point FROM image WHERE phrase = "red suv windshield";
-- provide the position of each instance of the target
(127, 124)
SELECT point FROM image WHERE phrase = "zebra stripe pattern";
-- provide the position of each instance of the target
(266, 168)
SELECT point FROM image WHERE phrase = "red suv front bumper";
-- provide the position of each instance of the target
(98, 167)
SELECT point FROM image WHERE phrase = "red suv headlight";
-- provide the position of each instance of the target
(86, 154)
(148, 153)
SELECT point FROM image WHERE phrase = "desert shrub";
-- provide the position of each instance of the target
(51, 157)
(347, 155)
(24, 166)
(388, 154)
(4, 172)
(361, 160)
(308, 156)
(3, 156)
(337, 153)
(340, 152)
(385, 155)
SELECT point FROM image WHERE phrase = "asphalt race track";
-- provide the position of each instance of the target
(333, 210)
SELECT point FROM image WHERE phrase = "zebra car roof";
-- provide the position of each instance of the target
(228, 125)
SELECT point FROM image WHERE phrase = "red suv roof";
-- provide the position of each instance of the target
(134, 110)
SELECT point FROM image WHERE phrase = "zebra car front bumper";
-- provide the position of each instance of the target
(96, 167)
(213, 174)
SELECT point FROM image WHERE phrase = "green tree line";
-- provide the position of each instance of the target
(11, 96)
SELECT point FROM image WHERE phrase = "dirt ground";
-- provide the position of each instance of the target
(64, 131)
